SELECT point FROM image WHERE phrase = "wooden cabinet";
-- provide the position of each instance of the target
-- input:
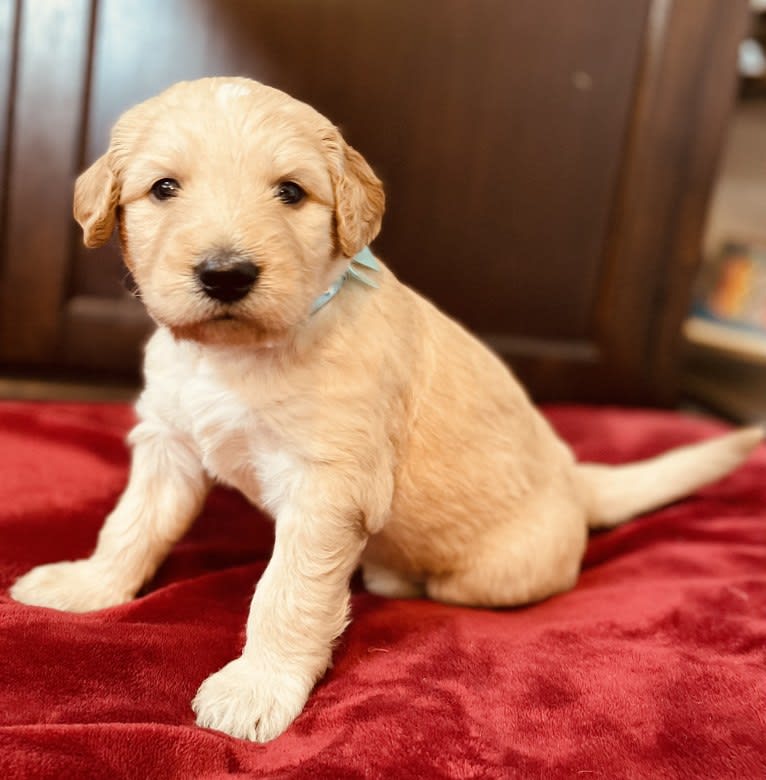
(547, 162)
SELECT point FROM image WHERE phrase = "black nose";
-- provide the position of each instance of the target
(226, 277)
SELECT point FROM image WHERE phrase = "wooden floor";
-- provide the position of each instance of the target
(12, 388)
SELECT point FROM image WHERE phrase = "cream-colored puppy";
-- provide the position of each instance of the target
(373, 428)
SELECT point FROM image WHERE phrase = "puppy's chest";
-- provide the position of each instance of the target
(238, 445)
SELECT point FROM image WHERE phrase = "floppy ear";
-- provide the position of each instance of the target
(96, 195)
(359, 198)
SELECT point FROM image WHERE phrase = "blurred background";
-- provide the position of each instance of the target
(580, 182)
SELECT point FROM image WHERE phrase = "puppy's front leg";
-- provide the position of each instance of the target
(299, 608)
(166, 488)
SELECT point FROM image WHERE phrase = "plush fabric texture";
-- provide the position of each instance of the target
(653, 667)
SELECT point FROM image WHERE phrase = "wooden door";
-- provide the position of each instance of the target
(547, 162)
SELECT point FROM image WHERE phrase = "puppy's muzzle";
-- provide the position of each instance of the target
(226, 277)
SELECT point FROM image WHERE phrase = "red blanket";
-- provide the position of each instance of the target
(652, 667)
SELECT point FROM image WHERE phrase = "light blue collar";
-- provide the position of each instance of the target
(366, 259)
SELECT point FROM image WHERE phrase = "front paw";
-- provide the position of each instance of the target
(73, 586)
(246, 699)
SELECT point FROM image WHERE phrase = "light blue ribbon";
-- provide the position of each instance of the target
(367, 260)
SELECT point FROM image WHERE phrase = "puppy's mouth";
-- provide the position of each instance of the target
(221, 321)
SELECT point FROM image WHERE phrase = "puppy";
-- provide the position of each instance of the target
(291, 364)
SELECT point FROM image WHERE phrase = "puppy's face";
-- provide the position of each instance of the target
(237, 206)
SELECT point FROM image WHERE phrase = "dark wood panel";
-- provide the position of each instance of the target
(710, 107)
(687, 89)
(547, 163)
(498, 128)
(104, 334)
(9, 15)
(53, 45)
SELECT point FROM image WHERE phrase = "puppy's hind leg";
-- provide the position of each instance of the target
(389, 583)
(513, 566)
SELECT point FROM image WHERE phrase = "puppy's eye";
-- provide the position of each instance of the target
(165, 188)
(289, 192)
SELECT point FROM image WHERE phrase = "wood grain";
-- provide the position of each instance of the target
(547, 164)
(9, 17)
(53, 39)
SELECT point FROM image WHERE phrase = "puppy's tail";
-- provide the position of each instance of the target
(617, 493)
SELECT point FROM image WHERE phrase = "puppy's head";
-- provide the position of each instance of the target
(236, 206)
